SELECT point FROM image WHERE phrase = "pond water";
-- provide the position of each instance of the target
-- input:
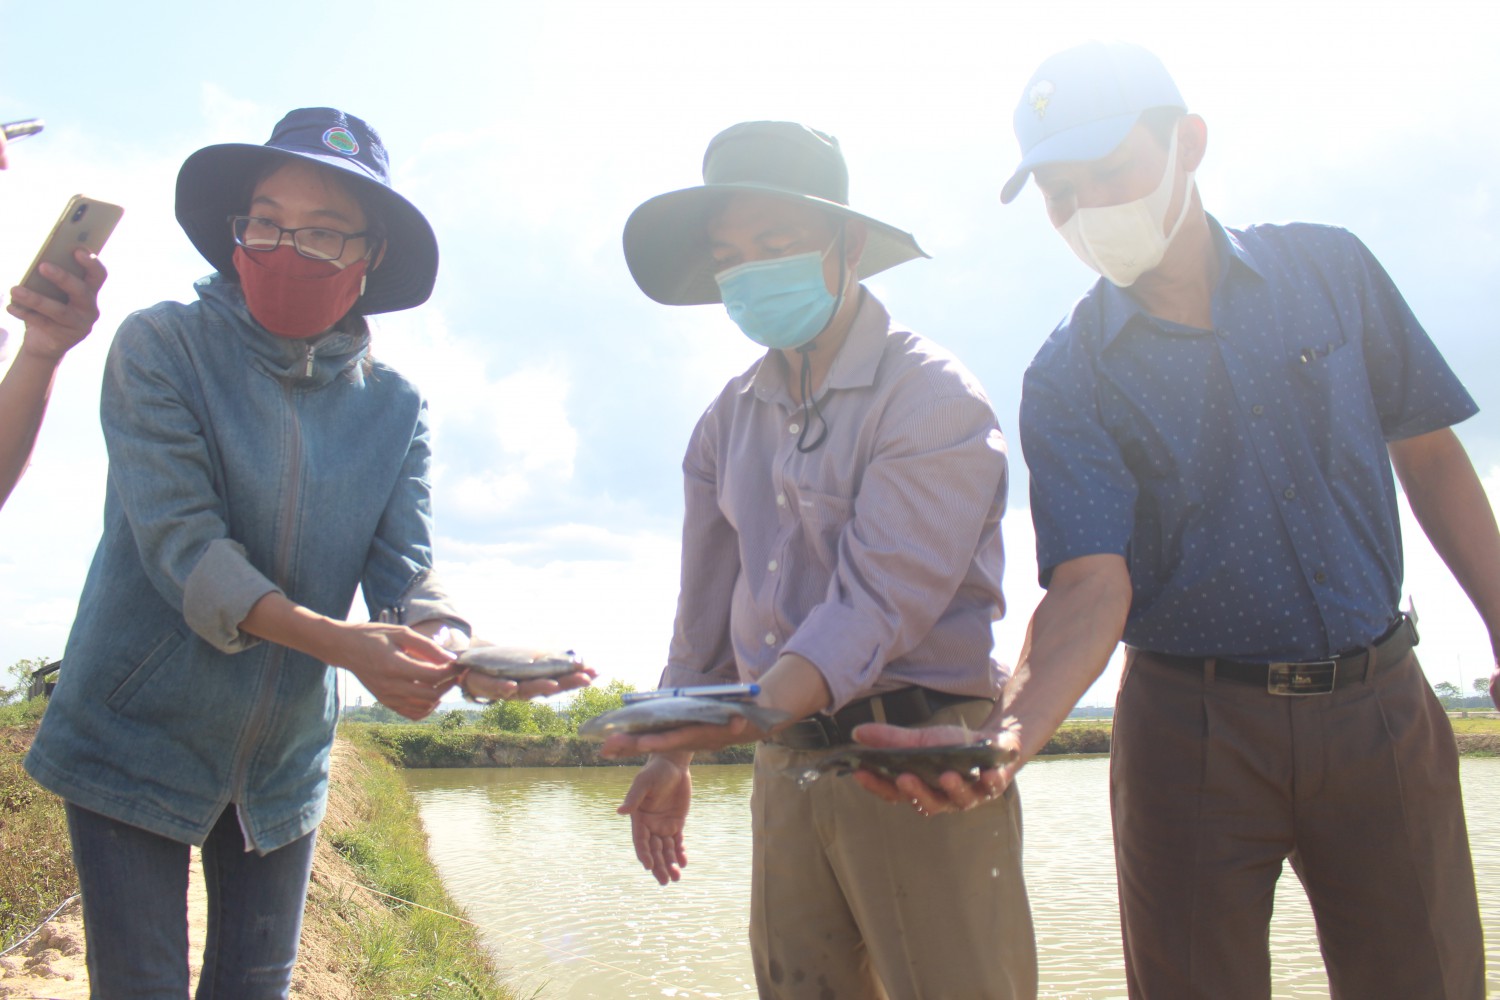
(545, 867)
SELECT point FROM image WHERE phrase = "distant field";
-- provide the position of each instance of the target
(1475, 723)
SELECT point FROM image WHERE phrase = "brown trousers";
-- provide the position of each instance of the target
(1214, 782)
(857, 899)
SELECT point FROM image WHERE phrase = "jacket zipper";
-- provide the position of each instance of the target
(267, 695)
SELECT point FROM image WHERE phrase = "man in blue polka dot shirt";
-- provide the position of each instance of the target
(1211, 435)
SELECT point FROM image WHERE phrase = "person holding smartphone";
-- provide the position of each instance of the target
(263, 467)
(53, 327)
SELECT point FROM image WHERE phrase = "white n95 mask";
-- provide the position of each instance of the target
(1123, 242)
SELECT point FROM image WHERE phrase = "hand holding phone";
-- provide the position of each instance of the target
(58, 297)
(84, 225)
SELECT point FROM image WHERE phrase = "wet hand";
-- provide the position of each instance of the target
(405, 670)
(53, 327)
(485, 688)
(682, 739)
(956, 794)
(657, 804)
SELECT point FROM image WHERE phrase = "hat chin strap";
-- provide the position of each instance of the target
(804, 380)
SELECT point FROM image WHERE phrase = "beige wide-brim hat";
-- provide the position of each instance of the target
(666, 238)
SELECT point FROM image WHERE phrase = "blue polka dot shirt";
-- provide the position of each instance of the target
(1241, 471)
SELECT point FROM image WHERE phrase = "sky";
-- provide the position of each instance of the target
(561, 397)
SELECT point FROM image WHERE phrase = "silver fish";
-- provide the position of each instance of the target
(661, 714)
(927, 763)
(484, 665)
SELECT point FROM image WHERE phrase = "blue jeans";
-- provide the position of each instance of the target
(134, 886)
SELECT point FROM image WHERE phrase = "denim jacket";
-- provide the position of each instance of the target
(239, 464)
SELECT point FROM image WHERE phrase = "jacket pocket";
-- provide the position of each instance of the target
(144, 670)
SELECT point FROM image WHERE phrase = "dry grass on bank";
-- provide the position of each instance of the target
(37, 873)
(356, 941)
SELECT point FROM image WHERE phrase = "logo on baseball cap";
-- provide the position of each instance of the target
(1082, 102)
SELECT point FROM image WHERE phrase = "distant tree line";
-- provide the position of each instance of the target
(532, 718)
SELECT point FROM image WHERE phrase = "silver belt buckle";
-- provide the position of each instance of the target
(1296, 679)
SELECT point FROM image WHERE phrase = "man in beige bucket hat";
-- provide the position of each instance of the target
(841, 551)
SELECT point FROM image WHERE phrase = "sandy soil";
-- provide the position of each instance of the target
(50, 966)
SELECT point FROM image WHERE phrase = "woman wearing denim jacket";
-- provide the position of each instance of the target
(262, 467)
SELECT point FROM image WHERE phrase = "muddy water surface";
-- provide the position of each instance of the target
(542, 862)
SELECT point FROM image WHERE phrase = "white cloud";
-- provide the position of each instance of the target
(497, 441)
(614, 607)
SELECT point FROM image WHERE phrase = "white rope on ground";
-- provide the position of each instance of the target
(516, 937)
(39, 926)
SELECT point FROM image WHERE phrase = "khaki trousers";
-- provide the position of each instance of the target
(857, 899)
(1214, 782)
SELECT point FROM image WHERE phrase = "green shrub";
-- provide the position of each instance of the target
(591, 701)
(22, 713)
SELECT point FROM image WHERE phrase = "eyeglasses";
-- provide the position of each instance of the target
(254, 233)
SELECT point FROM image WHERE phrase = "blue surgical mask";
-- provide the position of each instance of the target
(782, 302)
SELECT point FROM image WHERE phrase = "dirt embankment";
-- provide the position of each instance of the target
(1478, 744)
(50, 964)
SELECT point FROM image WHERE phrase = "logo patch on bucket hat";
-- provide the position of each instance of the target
(341, 140)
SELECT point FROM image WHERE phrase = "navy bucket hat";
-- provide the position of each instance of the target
(666, 239)
(214, 183)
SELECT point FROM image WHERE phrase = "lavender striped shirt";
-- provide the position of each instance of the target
(877, 556)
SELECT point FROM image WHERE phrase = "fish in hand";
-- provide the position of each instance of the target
(969, 760)
(658, 715)
(485, 666)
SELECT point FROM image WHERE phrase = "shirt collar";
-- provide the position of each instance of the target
(1118, 308)
(854, 366)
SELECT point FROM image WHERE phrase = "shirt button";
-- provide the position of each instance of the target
(781, 499)
(771, 565)
(770, 638)
(1289, 493)
(1320, 577)
(793, 428)
(1257, 409)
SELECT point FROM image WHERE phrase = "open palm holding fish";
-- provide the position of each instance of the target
(499, 673)
(955, 791)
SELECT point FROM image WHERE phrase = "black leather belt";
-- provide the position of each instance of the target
(908, 706)
(1311, 676)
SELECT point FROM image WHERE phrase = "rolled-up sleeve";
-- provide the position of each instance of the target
(161, 469)
(936, 480)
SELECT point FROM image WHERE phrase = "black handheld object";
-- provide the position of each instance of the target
(21, 129)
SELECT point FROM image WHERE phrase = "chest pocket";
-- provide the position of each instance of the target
(821, 518)
(1334, 410)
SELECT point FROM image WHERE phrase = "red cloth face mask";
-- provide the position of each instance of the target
(296, 296)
